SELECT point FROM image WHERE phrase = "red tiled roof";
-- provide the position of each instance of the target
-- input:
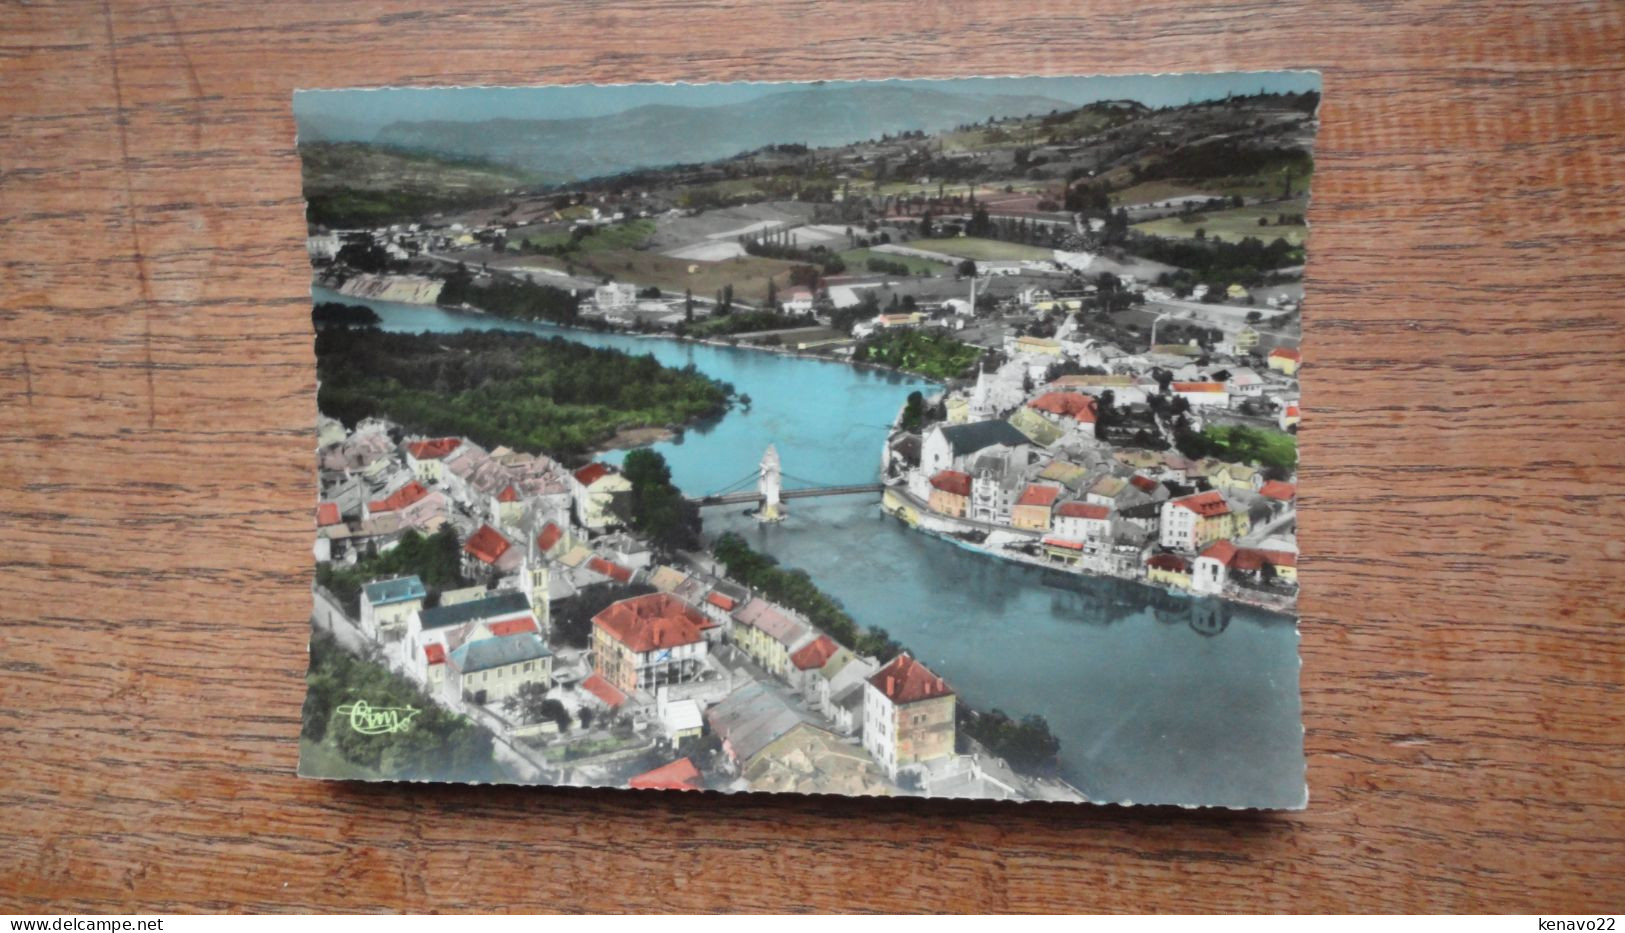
(1292, 411)
(592, 473)
(1286, 353)
(952, 481)
(487, 544)
(1168, 562)
(609, 569)
(1083, 510)
(434, 652)
(1222, 551)
(433, 449)
(551, 533)
(400, 498)
(679, 775)
(327, 513)
(514, 626)
(508, 494)
(906, 680)
(658, 620)
(1039, 495)
(1068, 543)
(1070, 404)
(1206, 504)
(722, 601)
(815, 653)
(1248, 558)
(1198, 387)
(1143, 483)
(603, 690)
(1275, 489)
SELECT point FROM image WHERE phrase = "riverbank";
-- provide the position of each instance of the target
(410, 286)
(899, 504)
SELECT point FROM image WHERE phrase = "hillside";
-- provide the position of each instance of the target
(355, 184)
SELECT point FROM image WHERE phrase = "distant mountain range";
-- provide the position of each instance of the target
(659, 135)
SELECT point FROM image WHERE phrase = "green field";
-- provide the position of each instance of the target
(1232, 224)
(354, 184)
(857, 262)
(633, 234)
(969, 247)
(747, 274)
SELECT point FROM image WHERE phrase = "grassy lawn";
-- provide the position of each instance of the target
(857, 262)
(1238, 444)
(1151, 192)
(747, 274)
(1234, 223)
(633, 234)
(968, 247)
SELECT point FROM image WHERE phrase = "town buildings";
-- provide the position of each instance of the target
(908, 715)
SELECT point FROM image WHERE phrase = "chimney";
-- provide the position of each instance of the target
(891, 685)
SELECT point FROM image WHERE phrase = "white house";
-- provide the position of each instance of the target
(386, 605)
(1081, 521)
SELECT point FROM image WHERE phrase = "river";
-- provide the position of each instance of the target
(1156, 698)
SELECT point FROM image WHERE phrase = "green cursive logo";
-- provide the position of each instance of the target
(382, 720)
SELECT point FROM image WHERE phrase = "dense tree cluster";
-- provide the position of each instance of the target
(1026, 745)
(437, 745)
(334, 314)
(656, 509)
(436, 560)
(502, 388)
(930, 354)
(1219, 264)
(521, 300)
(794, 588)
(1276, 451)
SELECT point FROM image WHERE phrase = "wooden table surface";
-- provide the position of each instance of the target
(1462, 495)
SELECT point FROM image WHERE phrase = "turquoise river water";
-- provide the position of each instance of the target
(1156, 698)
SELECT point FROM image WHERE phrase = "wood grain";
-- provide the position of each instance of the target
(1462, 495)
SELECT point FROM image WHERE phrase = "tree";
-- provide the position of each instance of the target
(772, 294)
(913, 412)
(688, 305)
(967, 268)
(527, 703)
(656, 508)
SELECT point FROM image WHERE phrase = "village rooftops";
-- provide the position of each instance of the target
(952, 481)
(434, 653)
(1039, 495)
(815, 654)
(1222, 551)
(906, 680)
(434, 449)
(327, 513)
(1199, 387)
(751, 718)
(488, 653)
(606, 692)
(1083, 510)
(1275, 489)
(979, 435)
(495, 606)
(1206, 504)
(487, 544)
(609, 569)
(721, 600)
(592, 473)
(1171, 562)
(398, 590)
(550, 535)
(770, 619)
(1073, 405)
(400, 498)
(515, 626)
(678, 775)
(657, 620)
(1286, 353)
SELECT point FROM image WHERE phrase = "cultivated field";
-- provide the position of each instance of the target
(969, 247)
(1232, 224)
(857, 262)
(747, 274)
(634, 234)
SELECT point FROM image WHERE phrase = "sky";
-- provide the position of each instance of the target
(364, 111)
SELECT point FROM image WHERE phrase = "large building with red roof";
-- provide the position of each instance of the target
(1191, 523)
(908, 715)
(645, 641)
(950, 493)
(1074, 405)
(1032, 510)
(426, 457)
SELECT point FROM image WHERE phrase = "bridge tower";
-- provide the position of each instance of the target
(767, 483)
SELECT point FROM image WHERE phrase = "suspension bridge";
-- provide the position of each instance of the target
(766, 482)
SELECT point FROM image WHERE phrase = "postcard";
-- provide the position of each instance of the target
(909, 437)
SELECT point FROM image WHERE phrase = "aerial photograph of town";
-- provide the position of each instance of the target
(912, 437)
